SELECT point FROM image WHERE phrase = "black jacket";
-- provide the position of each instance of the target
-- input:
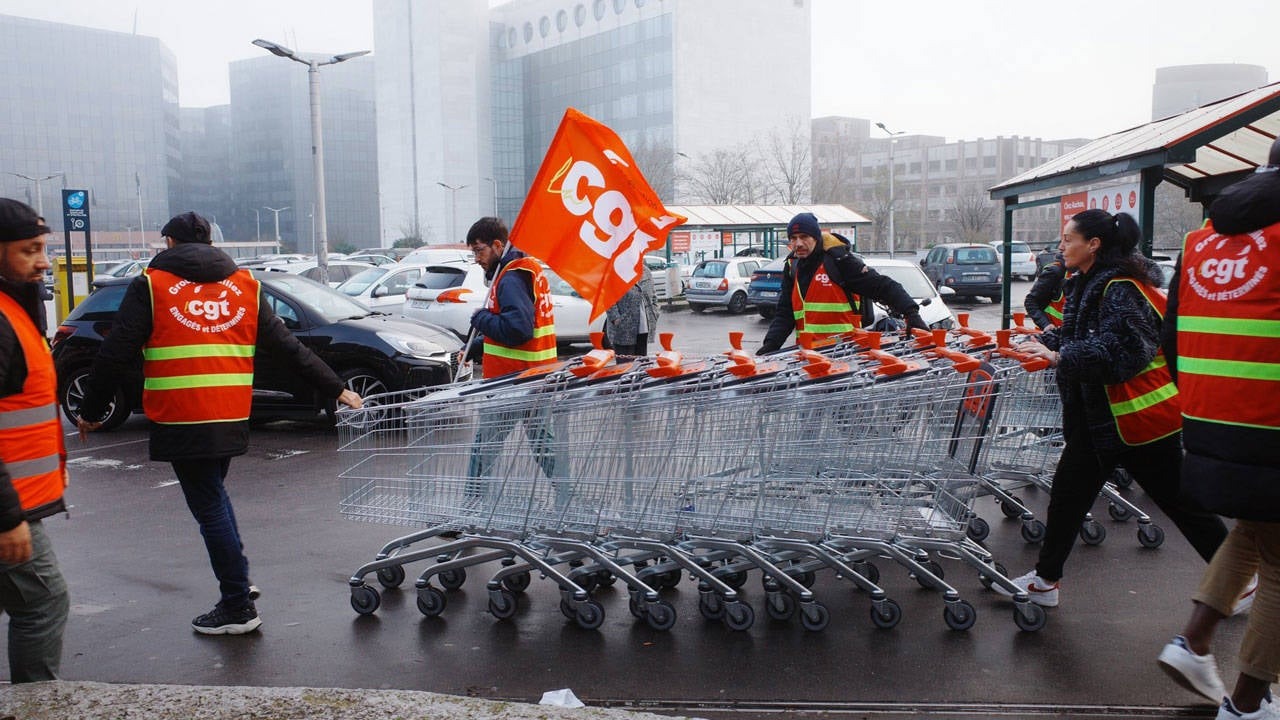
(13, 374)
(1044, 291)
(121, 353)
(1231, 470)
(1105, 339)
(851, 273)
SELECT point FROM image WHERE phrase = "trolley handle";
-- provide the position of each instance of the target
(960, 362)
(890, 364)
(1029, 362)
(1020, 329)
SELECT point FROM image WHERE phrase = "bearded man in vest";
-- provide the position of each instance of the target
(1222, 339)
(827, 290)
(32, 458)
(517, 329)
(197, 320)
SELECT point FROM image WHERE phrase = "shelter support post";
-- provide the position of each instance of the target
(1151, 177)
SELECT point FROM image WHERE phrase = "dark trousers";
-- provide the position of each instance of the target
(202, 484)
(1080, 475)
(641, 346)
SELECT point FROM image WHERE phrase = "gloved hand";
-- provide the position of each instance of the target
(915, 321)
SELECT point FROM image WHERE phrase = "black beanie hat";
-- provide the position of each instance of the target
(805, 223)
(188, 228)
(19, 222)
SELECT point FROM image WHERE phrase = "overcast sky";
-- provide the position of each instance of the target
(957, 68)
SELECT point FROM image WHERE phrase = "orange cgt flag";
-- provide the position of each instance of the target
(590, 215)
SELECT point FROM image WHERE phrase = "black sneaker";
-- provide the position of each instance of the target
(221, 621)
(254, 593)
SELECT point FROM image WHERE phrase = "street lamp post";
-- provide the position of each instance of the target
(494, 183)
(893, 210)
(453, 208)
(317, 144)
(37, 181)
(277, 212)
(257, 225)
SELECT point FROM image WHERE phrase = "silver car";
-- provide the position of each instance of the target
(722, 282)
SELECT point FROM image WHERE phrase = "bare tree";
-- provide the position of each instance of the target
(974, 214)
(723, 177)
(833, 171)
(656, 161)
(1175, 216)
(786, 158)
(877, 207)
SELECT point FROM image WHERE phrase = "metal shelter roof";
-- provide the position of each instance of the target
(1201, 150)
(763, 216)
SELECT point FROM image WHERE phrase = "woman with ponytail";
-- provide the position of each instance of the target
(1119, 405)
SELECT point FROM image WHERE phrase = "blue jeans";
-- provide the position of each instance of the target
(35, 596)
(202, 484)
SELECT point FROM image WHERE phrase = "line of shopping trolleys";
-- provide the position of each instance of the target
(603, 469)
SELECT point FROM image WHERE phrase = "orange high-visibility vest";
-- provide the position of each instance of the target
(1054, 309)
(30, 430)
(824, 311)
(501, 359)
(1146, 407)
(197, 365)
(1229, 327)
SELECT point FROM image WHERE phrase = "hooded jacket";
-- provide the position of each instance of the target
(121, 352)
(1106, 338)
(854, 276)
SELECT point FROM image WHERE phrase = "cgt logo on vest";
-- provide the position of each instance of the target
(197, 313)
(822, 277)
(1232, 267)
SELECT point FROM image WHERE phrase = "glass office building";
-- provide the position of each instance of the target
(96, 108)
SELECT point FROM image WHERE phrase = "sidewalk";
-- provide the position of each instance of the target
(66, 700)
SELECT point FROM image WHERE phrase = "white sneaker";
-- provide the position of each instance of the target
(1245, 601)
(1197, 673)
(1041, 591)
(1268, 710)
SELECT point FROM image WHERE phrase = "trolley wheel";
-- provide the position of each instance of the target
(959, 615)
(431, 602)
(886, 615)
(987, 580)
(566, 609)
(502, 603)
(590, 615)
(711, 606)
(365, 600)
(660, 615)
(1121, 478)
(453, 579)
(807, 578)
(604, 578)
(1118, 512)
(735, 579)
(1092, 532)
(780, 606)
(1033, 531)
(636, 605)
(1011, 511)
(669, 579)
(1150, 536)
(868, 570)
(978, 529)
(588, 582)
(814, 616)
(1030, 624)
(933, 567)
(738, 616)
(517, 583)
(391, 577)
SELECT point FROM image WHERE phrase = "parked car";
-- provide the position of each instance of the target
(1022, 260)
(430, 254)
(371, 258)
(339, 270)
(1046, 256)
(1167, 271)
(767, 281)
(722, 282)
(383, 288)
(667, 282)
(969, 270)
(125, 268)
(371, 352)
(448, 294)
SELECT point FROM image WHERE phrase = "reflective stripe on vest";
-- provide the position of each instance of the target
(31, 441)
(198, 362)
(1228, 334)
(1054, 309)
(500, 359)
(825, 312)
(1146, 406)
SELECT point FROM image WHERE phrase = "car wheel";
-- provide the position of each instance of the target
(738, 303)
(697, 307)
(71, 395)
(765, 312)
(363, 382)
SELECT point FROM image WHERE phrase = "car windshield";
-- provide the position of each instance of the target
(559, 286)
(361, 282)
(710, 270)
(975, 256)
(101, 305)
(1019, 248)
(325, 301)
(911, 280)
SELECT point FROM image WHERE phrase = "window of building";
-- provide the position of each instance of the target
(511, 37)
(971, 163)
(562, 20)
(951, 165)
(528, 32)
(639, 4)
(580, 14)
(598, 9)
(915, 168)
(989, 161)
(619, 6)
(935, 165)
(544, 26)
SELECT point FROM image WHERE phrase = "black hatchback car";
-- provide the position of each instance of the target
(372, 352)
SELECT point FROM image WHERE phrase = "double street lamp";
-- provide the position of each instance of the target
(317, 144)
(453, 208)
(277, 212)
(37, 181)
(892, 208)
